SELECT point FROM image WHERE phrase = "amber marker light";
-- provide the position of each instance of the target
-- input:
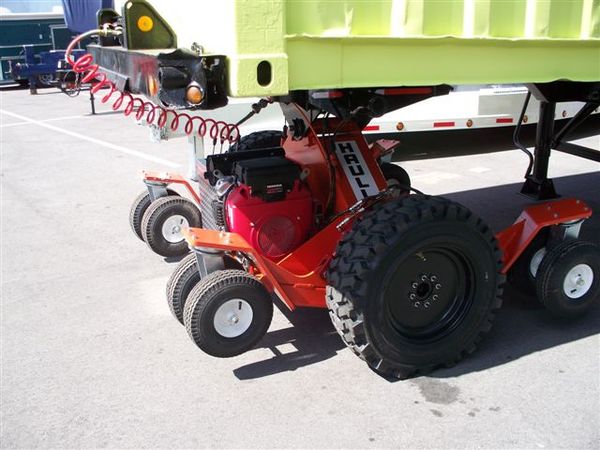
(145, 23)
(194, 94)
(152, 85)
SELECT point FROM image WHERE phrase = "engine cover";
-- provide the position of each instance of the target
(274, 228)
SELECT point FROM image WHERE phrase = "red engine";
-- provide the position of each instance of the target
(270, 207)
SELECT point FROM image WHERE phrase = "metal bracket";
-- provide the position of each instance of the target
(156, 190)
(208, 260)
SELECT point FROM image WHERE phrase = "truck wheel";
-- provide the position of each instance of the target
(524, 271)
(414, 285)
(138, 208)
(258, 139)
(227, 313)
(163, 224)
(568, 280)
(396, 176)
(45, 80)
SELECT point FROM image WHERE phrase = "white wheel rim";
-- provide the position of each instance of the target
(172, 229)
(536, 260)
(578, 281)
(233, 318)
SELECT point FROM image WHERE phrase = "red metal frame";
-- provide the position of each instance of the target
(515, 239)
(170, 178)
(299, 277)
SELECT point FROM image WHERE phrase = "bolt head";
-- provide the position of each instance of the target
(412, 296)
(424, 278)
(435, 297)
(417, 304)
(414, 285)
(438, 286)
(426, 304)
(433, 278)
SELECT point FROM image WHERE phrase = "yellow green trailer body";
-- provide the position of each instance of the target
(277, 46)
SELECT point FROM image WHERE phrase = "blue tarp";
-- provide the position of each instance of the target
(80, 15)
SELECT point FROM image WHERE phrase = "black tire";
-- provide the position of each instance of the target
(520, 274)
(569, 301)
(399, 242)
(155, 217)
(182, 281)
(45, 80)
(257, 140)
(216, 290)
(137, 210)
(396, 175)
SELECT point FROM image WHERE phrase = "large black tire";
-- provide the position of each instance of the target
(396, 176)
(414, 285)
(523, 273)
(219, 290)
(137, 210)
(257, 140)
(184, 279)
(562, 267)
(172, 243)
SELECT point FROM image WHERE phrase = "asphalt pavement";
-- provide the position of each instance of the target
(91, 356)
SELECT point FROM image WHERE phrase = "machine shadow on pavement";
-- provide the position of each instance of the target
(522, 326)
(312, 335)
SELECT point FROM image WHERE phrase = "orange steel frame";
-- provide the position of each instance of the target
(299, 277)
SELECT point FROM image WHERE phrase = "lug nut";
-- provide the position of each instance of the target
(412, 296)
(424, 278)
(426, 304)
(435, 297)
(414, 285)
(417, 304)
(433, 278)
(438, 286)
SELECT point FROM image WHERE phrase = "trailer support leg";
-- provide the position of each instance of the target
(538, 185)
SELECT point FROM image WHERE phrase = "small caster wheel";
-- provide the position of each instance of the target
(227, 313)
(396, 176)
(568, 279)
(182, 281)
(138, 208)
(524, 271)
(163, 224)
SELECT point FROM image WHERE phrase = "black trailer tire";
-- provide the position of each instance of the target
(163, 222)
(258, 140)
(399, 256)
(137, 210)
(568, 281)
(396, 176)
(45, 80)
(211, 313)
(523, 272)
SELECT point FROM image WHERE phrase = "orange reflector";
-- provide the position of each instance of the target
(469, 123)
(145, 23)
(194, 94)
(152, 85)
(399, 126)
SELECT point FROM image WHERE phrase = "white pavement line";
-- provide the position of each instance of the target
(118, 148)
(54, 119)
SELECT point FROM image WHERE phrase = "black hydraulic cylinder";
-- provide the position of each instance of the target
(537, 184)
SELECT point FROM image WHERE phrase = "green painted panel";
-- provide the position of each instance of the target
(314, 44)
